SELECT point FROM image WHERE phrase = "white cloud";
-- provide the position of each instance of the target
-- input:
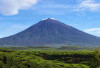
(12, 7)
(91, 5)
(94, 31)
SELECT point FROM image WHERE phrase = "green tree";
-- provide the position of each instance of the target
(95, 63)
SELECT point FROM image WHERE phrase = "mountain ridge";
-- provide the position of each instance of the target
(51, 32)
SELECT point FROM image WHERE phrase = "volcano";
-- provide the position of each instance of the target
(50, 32)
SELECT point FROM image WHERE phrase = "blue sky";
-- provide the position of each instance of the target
(17, 15)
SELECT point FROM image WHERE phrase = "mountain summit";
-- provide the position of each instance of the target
(49, 19)
(51, 32)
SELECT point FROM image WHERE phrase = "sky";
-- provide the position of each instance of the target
(18, 15)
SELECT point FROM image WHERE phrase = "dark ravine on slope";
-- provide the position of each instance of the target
(51, 32)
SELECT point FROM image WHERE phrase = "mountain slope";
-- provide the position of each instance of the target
(51, 32)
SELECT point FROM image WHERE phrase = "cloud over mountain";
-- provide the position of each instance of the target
(12, 7)
(91, 5)
(94, 31)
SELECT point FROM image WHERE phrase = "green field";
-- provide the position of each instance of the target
(48, 59)
(46, 48)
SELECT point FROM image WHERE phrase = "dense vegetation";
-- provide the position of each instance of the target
(49, 59)
(46, 48)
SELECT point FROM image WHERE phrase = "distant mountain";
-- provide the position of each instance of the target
(51, 32)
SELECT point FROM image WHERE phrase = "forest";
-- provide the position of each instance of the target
(49, 59)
